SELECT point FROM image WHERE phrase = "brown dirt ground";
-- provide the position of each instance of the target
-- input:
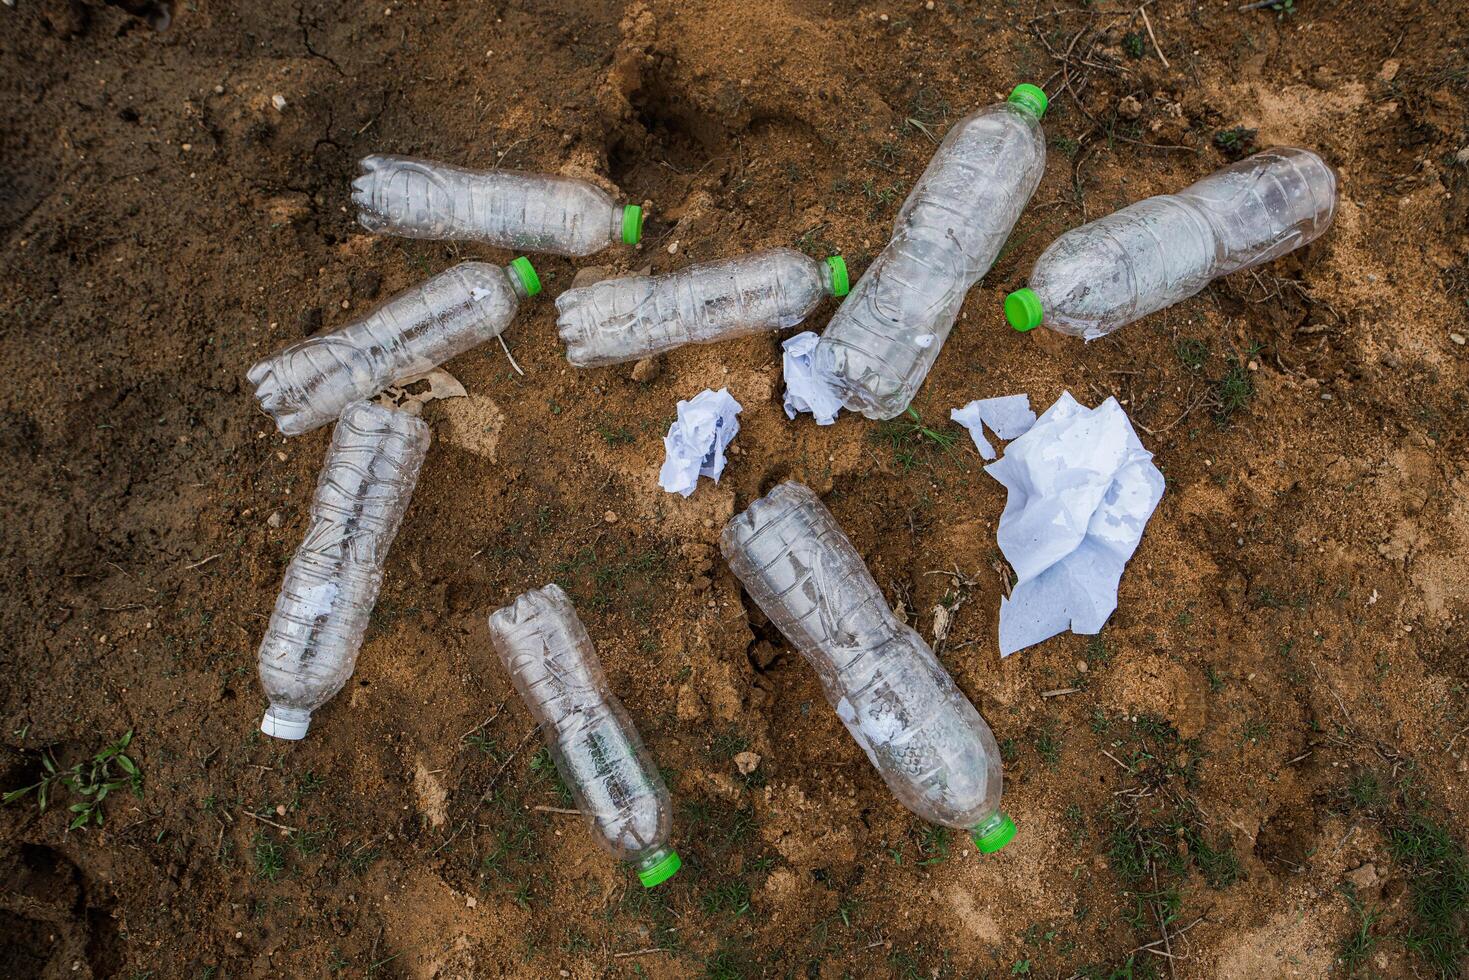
(1292, 626)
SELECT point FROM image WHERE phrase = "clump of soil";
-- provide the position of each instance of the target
(1260, 768)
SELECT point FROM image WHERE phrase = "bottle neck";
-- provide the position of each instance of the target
(516, 286)
(653, 858)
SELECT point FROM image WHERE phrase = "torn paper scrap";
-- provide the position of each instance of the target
(695, 443)
(807, 388)
(1008, 417)
(1081, 490)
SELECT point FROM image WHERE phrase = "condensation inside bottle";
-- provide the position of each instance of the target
(526, 212)
(307, 384)
(550, 658)
(887, 334)
(619, 320)
(934, 751)
(1164, 249)
(331, 584)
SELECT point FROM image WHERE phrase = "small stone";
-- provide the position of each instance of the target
(647, 369)
(1364, 877)
(275, 519)
(1081, 667)
(928, 5)
(1457, 338)
(746, 762)
(280, 809)
(469, 902)
(1254, 365)
(279, 101)
(1463, 155)
(883, 18)
(1389, 70)
(219, 90)
(1129, 108)
(673, 247)
(610, 517)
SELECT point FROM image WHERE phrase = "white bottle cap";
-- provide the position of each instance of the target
(292, 729)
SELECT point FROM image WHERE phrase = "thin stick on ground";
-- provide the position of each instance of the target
(509, 356)
(1149, 25)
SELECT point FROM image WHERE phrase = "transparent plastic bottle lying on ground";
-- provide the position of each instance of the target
(887, 334)
(307, 384)
(331, 585)
(554, 666)
(932, 748)
(1151, 254)
(520, 211)
(624, 319)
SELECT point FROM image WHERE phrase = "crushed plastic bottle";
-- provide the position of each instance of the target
(932, 748)
(514, 210)
(331, 585)
(884, 339)
(551, 660)
(307, 384)
(618, 320)
(1151, 254)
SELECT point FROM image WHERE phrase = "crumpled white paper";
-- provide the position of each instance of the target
(695, 443)
(807, 390)
(1082, 488)
(1008, 417)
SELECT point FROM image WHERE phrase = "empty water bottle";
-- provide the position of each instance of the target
(520, 211)
(1151, 254)
(932, 748)
(886, 336)
(624, 319)
(551, 660)
(307, 384)
(331, 585)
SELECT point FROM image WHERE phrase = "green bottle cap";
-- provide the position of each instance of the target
(840, 285)
(632, 224)
(1023, 310)
(993, 834)
(526, 273)
(1030, 97)
(662, 871)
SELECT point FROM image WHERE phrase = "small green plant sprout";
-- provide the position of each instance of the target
(907, 437)
(1235, 141)
(110, 769)
(1133, 44)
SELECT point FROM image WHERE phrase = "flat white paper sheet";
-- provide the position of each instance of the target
(1082, 488)
(695, 443)
(1008, 417)
(807, 390)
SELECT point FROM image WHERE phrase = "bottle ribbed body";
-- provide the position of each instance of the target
(931, 746)
(551, 661)
(1164, 249)
(887, 334)
(307, 384)
(521, 211)
(618, 320)
(332, 582)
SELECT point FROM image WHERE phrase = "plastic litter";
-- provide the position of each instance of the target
(807, 390)
(554, 666)
(932, 748)
(307, 384)
(887, 334)
(331, 585)
(696, 441)
(1151, 254)
(1008, 417)
(520, 211)
(1082, 488)
(617, 320)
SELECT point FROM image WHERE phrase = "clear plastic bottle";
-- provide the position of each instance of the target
(520, 211)
(551, 661)
(331, 585)
(932, 748)
(1151, 254)
(307, 384)
(887, 334)
(618, 320)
